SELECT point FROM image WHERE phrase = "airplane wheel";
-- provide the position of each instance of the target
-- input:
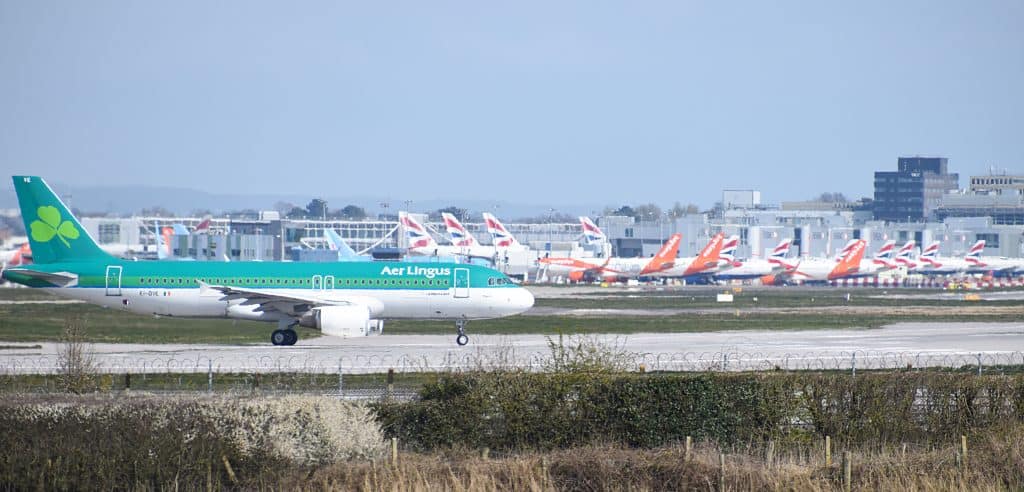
(462, 339)
(292, 337)
(279, 337)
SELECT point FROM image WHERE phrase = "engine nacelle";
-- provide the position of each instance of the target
(346, 321)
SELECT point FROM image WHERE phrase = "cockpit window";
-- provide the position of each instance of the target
(498, 281)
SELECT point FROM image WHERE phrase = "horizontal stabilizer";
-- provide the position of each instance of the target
(57, 279)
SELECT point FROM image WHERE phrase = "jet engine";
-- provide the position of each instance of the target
(346, 321)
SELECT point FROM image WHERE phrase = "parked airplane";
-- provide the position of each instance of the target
(757, 267)
(612, 268)
(929, 262)
(421, 243)
(339, 299)
(985, 264)
(704, 263)
(822, 269)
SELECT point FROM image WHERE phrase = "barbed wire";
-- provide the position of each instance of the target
(724, 361)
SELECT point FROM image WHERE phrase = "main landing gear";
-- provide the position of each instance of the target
(284, 335)
(460, 328)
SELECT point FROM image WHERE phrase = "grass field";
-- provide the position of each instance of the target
(37, 322)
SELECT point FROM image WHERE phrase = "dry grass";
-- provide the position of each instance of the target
(996, 463)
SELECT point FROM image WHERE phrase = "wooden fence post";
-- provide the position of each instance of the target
(394, 450)
(963, 449)
(689, 446)
(828, 450)
(847, 471)
(721, 472)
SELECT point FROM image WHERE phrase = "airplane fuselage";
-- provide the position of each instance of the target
(391, 290)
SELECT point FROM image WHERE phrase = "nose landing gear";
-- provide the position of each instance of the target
(460, 328)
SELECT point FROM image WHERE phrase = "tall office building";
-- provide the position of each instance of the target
(913, 191)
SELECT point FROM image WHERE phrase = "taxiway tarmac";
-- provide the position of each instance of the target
(891, 346)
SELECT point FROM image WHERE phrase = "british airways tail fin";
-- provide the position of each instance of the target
(499, 234)
(591, 232)
(415, 233)
(457, 232)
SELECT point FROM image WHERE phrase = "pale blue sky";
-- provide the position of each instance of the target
(558, 102)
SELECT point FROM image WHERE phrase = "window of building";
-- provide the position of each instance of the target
(110, 233)
(991, 240)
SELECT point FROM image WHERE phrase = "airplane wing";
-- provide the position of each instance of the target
(58, 279)
(291, 304)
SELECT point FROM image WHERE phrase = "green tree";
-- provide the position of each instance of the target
(316, 208)
(352, 212)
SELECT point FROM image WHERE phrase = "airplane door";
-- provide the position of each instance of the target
(461, 283)
(113, 280)
(329, 282)
(317, 283)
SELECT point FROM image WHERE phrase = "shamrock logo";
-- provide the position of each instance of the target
(50, 225)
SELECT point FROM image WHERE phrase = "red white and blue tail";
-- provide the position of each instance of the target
(591, 232)
(460, 236)
(903, 256)
(728, 253)
(974, 254)
(499, 234)
(930, 255)
(884, 255)
(779, 254)
(416, 235)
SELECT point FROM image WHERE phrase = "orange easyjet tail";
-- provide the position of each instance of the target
(666, 256)
(850, 262)
(708, 257)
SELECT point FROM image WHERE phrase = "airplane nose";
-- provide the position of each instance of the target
(521, 300)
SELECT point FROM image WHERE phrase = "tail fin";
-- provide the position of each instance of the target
(728, 252)
(708, 257)
(460, 236)
(499, 235)
(666, 256)
(974, 254)
(931, 251)
(850, 262)
(336, 243)
(780, 252)
(591, 232)
(415, 233)
(905, 252)
(163, 242)
(54, 234)
(930, 254)
(886, 251)
(203, 227)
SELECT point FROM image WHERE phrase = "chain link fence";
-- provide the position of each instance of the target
(374, 377)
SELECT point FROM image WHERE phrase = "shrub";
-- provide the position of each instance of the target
(520, 410)
(162, 442)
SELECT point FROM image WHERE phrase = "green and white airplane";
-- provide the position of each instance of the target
(338, 298)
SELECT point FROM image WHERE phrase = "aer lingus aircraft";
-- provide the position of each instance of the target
(340, 299)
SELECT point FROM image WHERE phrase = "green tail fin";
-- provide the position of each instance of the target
(54, 234)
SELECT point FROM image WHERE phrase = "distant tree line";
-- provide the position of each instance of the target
(317, 209)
